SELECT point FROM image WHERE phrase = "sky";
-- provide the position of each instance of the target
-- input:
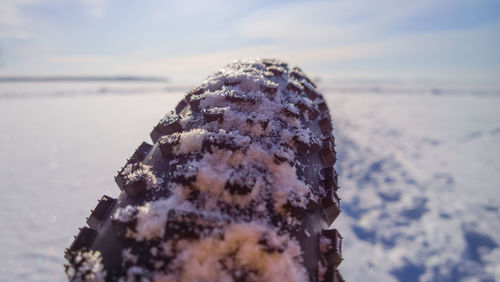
(187, 40)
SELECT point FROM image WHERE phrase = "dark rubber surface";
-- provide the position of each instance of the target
(314, 161)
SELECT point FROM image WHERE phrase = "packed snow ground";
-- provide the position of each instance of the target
(420, 177)
(419, 174)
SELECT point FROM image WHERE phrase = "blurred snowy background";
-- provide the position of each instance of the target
(414, 91)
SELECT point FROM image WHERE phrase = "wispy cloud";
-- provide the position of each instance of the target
(338, 41)
(15, 24)
(12, 23)
(186, 41)
(95, 8)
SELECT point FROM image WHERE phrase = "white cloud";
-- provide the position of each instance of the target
(13, 24)
(321, 60)
(79, 60)
(327, 38)
(95, 8)
(329, 61)
(326, 22)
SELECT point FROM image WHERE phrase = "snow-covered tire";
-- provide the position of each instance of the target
(239, 185)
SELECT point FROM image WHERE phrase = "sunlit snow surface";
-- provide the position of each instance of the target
(419, 174)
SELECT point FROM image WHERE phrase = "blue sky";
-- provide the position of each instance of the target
(186, 40)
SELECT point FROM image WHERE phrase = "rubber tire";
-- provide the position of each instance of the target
(108, 237)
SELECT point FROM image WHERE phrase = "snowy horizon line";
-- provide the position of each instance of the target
(82, 78)
(322, 80)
